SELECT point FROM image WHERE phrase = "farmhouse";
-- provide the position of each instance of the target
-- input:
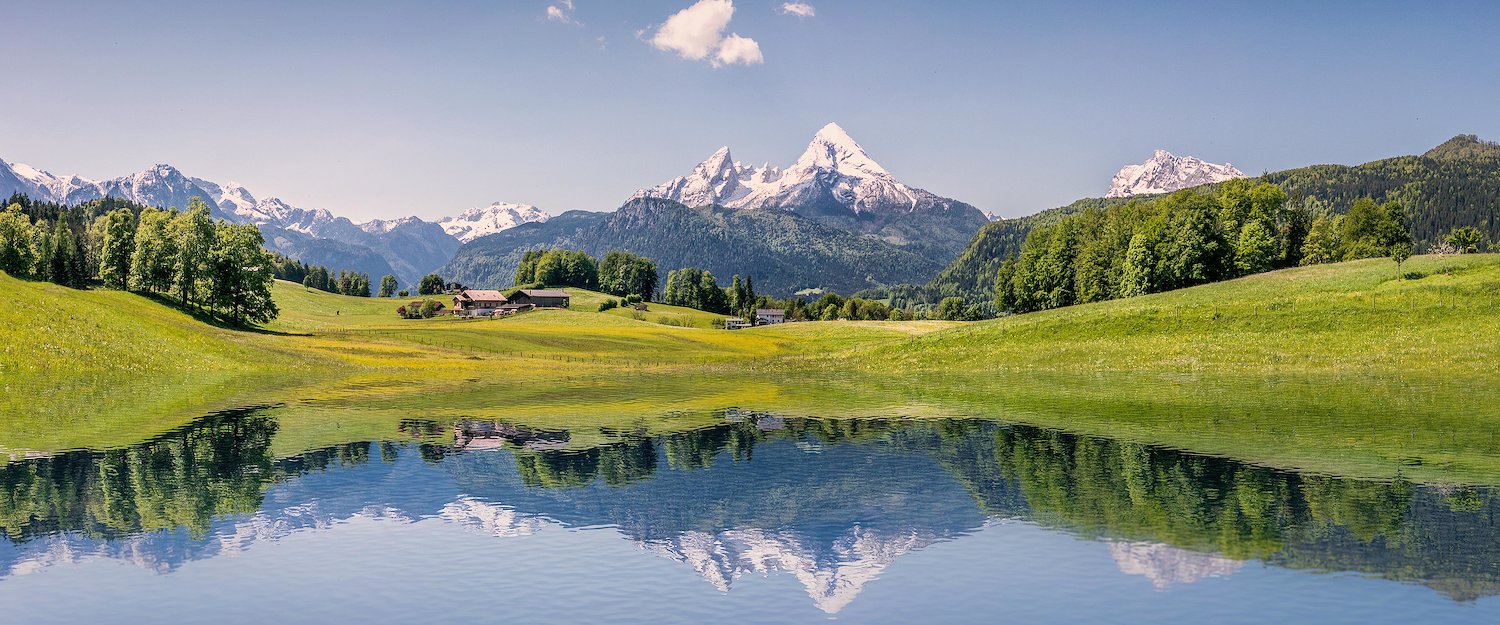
(768, 316)
(541, 298)
(477, 302)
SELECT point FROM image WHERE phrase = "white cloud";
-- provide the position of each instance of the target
(562, 12)
(697, 33)
(799, 9)
(736, 49)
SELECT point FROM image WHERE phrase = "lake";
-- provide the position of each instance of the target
(725, 514)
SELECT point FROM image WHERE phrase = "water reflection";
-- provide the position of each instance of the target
(833, 503)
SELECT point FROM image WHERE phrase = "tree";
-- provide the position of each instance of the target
(623, 273)
(566, 268)
(155, 254)
(240, 275)
(951, 309)
(117, 248)
(387, 285)
(17, 242)
(1322, 244)
(1399, 253)
(1256, 249)
(63, 257)
(526, 271)
(1466, 239)
(194, 233)
(431, 284)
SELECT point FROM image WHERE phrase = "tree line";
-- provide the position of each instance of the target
(318, 277)
(212, 266)
(620, 273)
(1187, 238)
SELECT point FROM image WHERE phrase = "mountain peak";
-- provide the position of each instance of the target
(833, 149)
(485, 220)
(1166, 172)
(1464, 147)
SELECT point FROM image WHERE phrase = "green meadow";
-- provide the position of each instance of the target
(1342, 369)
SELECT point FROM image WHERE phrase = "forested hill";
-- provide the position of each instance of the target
(783, 252)
(1454, 184)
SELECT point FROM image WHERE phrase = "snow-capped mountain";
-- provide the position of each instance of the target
(1165, 172)
(484, 220)
(408, 247)
(833, 168)
(837, 182)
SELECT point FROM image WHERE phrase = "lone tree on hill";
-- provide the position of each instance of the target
(1399, 253)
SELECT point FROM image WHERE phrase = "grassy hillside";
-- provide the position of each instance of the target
(1347, 317)
(1335, 368)
(1454, 184)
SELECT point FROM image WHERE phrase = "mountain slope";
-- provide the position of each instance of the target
(836, 182)
(784, 252)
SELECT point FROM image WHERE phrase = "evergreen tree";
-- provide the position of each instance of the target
(65, 262)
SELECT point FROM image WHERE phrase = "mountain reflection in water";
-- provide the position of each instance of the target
(832, 503)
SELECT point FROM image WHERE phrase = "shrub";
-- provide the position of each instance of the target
(607, 305)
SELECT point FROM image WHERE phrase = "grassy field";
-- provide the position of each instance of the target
(1351, 317)
(1339, 369)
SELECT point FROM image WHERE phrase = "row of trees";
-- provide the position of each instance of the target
(695, 288)
(1187, 238)
(624, 274)
(216, 267)
(558, 268)
(323, 279)
(1368, 230)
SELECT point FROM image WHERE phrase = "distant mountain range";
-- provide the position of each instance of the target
(834, 219)
(1166, 172)
(407, 248)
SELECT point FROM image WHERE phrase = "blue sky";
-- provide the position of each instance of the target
(382, 109)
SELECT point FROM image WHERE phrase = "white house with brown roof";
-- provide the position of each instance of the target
(478, 302)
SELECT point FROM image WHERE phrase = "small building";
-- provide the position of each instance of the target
(736, 323)
(477, 302)
(770, 316)
(506, 310)
(541, 298)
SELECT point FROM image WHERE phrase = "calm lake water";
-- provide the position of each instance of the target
(755, 518)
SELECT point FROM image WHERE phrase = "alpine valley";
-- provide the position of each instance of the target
(834, 219)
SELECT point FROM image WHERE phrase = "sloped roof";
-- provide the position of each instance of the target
(545, 293)
(483, 295)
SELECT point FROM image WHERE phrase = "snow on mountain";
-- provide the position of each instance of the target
(484, 220)
(833, 168)
(1166, 565)
(1165, 172)
(231, 198)
(833, 575)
